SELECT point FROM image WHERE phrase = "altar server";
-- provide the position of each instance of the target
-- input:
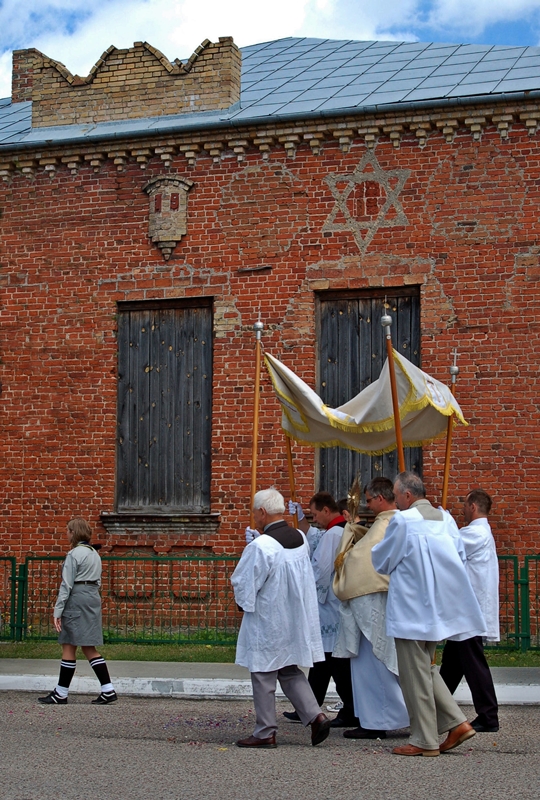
(430, 598)
(466, 658)
(274, 586)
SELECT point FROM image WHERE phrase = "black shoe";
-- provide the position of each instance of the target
(320, 728)
(480, 728)
(292, 716)
(53, 699)
(105, 698)
(343, 722)
(364, 733)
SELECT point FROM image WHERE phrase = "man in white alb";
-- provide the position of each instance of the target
(466, 658)
(274, 586)
(430, 598)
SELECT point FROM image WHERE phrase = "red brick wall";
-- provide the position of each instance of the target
(75, 244)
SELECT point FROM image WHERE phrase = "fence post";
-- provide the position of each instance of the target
(21, 581)
(525, 632)
(13, 597)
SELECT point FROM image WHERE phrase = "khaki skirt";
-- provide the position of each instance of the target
(81, 620)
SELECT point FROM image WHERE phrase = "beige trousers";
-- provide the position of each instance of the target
(432, 709)
(295, 686)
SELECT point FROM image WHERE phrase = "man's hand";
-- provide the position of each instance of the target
(57, 624)
(251, 533)
(296, 508)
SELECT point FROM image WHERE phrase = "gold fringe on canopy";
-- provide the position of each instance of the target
(366, 423)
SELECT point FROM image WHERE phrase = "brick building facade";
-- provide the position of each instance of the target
(124, 226)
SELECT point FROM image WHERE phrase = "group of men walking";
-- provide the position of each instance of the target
(367, 607)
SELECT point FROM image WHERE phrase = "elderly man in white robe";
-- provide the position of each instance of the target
(274, 586)
(466, 658)
(378, 700)
(326, 514)
(430, 598)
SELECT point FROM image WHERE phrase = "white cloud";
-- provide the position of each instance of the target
(473, 16)
(76, 32)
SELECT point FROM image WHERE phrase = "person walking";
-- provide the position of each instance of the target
(77, 616)
(274, 586)
(466, 658)
(430, 598)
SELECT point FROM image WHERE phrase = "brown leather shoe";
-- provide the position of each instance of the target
(412, 750)
(253, 741)
(457, 736)
(320, 728)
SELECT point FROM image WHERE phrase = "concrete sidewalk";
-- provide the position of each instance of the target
(514, 685)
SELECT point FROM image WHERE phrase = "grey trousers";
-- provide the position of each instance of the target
(432, 709)
(295, 686)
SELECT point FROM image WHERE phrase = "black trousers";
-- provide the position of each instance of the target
(340, 670)
(467, 659)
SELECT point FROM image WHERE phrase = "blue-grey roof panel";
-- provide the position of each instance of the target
(484, 77)
(472, 89)
(520, 85)
(381, 97)
(301, 76)
(502, 63)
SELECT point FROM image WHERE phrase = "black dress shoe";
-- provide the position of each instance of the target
(53, 699)
(292, 716)
(364, 733)
(105, 698)
(253, 741)
(480, 728)
(342, 722)
(320, 728)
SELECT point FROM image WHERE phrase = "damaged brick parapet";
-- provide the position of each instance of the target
(127, 84)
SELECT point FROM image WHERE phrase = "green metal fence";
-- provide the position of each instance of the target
(183, 599)
(509, 612)
(8, 573)
(188, 599)
(530, 590)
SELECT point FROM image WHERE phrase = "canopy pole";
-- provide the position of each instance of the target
(454, 372)
(386, 322)
(258, 327)
(291, 477)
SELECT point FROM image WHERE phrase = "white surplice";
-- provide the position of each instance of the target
(323, 569)
(430, 597)
(276, 590)
(313, 537)
(482, 567)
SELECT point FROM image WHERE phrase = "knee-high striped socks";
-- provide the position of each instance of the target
(99, 665)
(67, 671)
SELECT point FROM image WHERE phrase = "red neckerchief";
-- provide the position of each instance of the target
(336, 521)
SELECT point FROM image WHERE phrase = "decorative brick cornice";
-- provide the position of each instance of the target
(371, 131)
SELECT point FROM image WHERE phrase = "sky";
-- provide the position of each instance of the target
(76, 32)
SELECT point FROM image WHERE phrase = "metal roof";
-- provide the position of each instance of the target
(295, 77)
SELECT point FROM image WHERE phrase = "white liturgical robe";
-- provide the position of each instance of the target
(323, 569)
(430, 597)
(276, 590)
(483, 571)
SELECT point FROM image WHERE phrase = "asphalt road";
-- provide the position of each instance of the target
(170, 749)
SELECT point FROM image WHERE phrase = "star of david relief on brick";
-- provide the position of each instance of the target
(167, 219)
(366, 200)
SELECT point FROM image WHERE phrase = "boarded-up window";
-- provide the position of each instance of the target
(352, 350)
(164, 406)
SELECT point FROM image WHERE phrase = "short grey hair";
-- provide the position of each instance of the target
(271, 500)
(410, 482)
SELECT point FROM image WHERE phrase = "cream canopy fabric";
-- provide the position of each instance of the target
(366, 423)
